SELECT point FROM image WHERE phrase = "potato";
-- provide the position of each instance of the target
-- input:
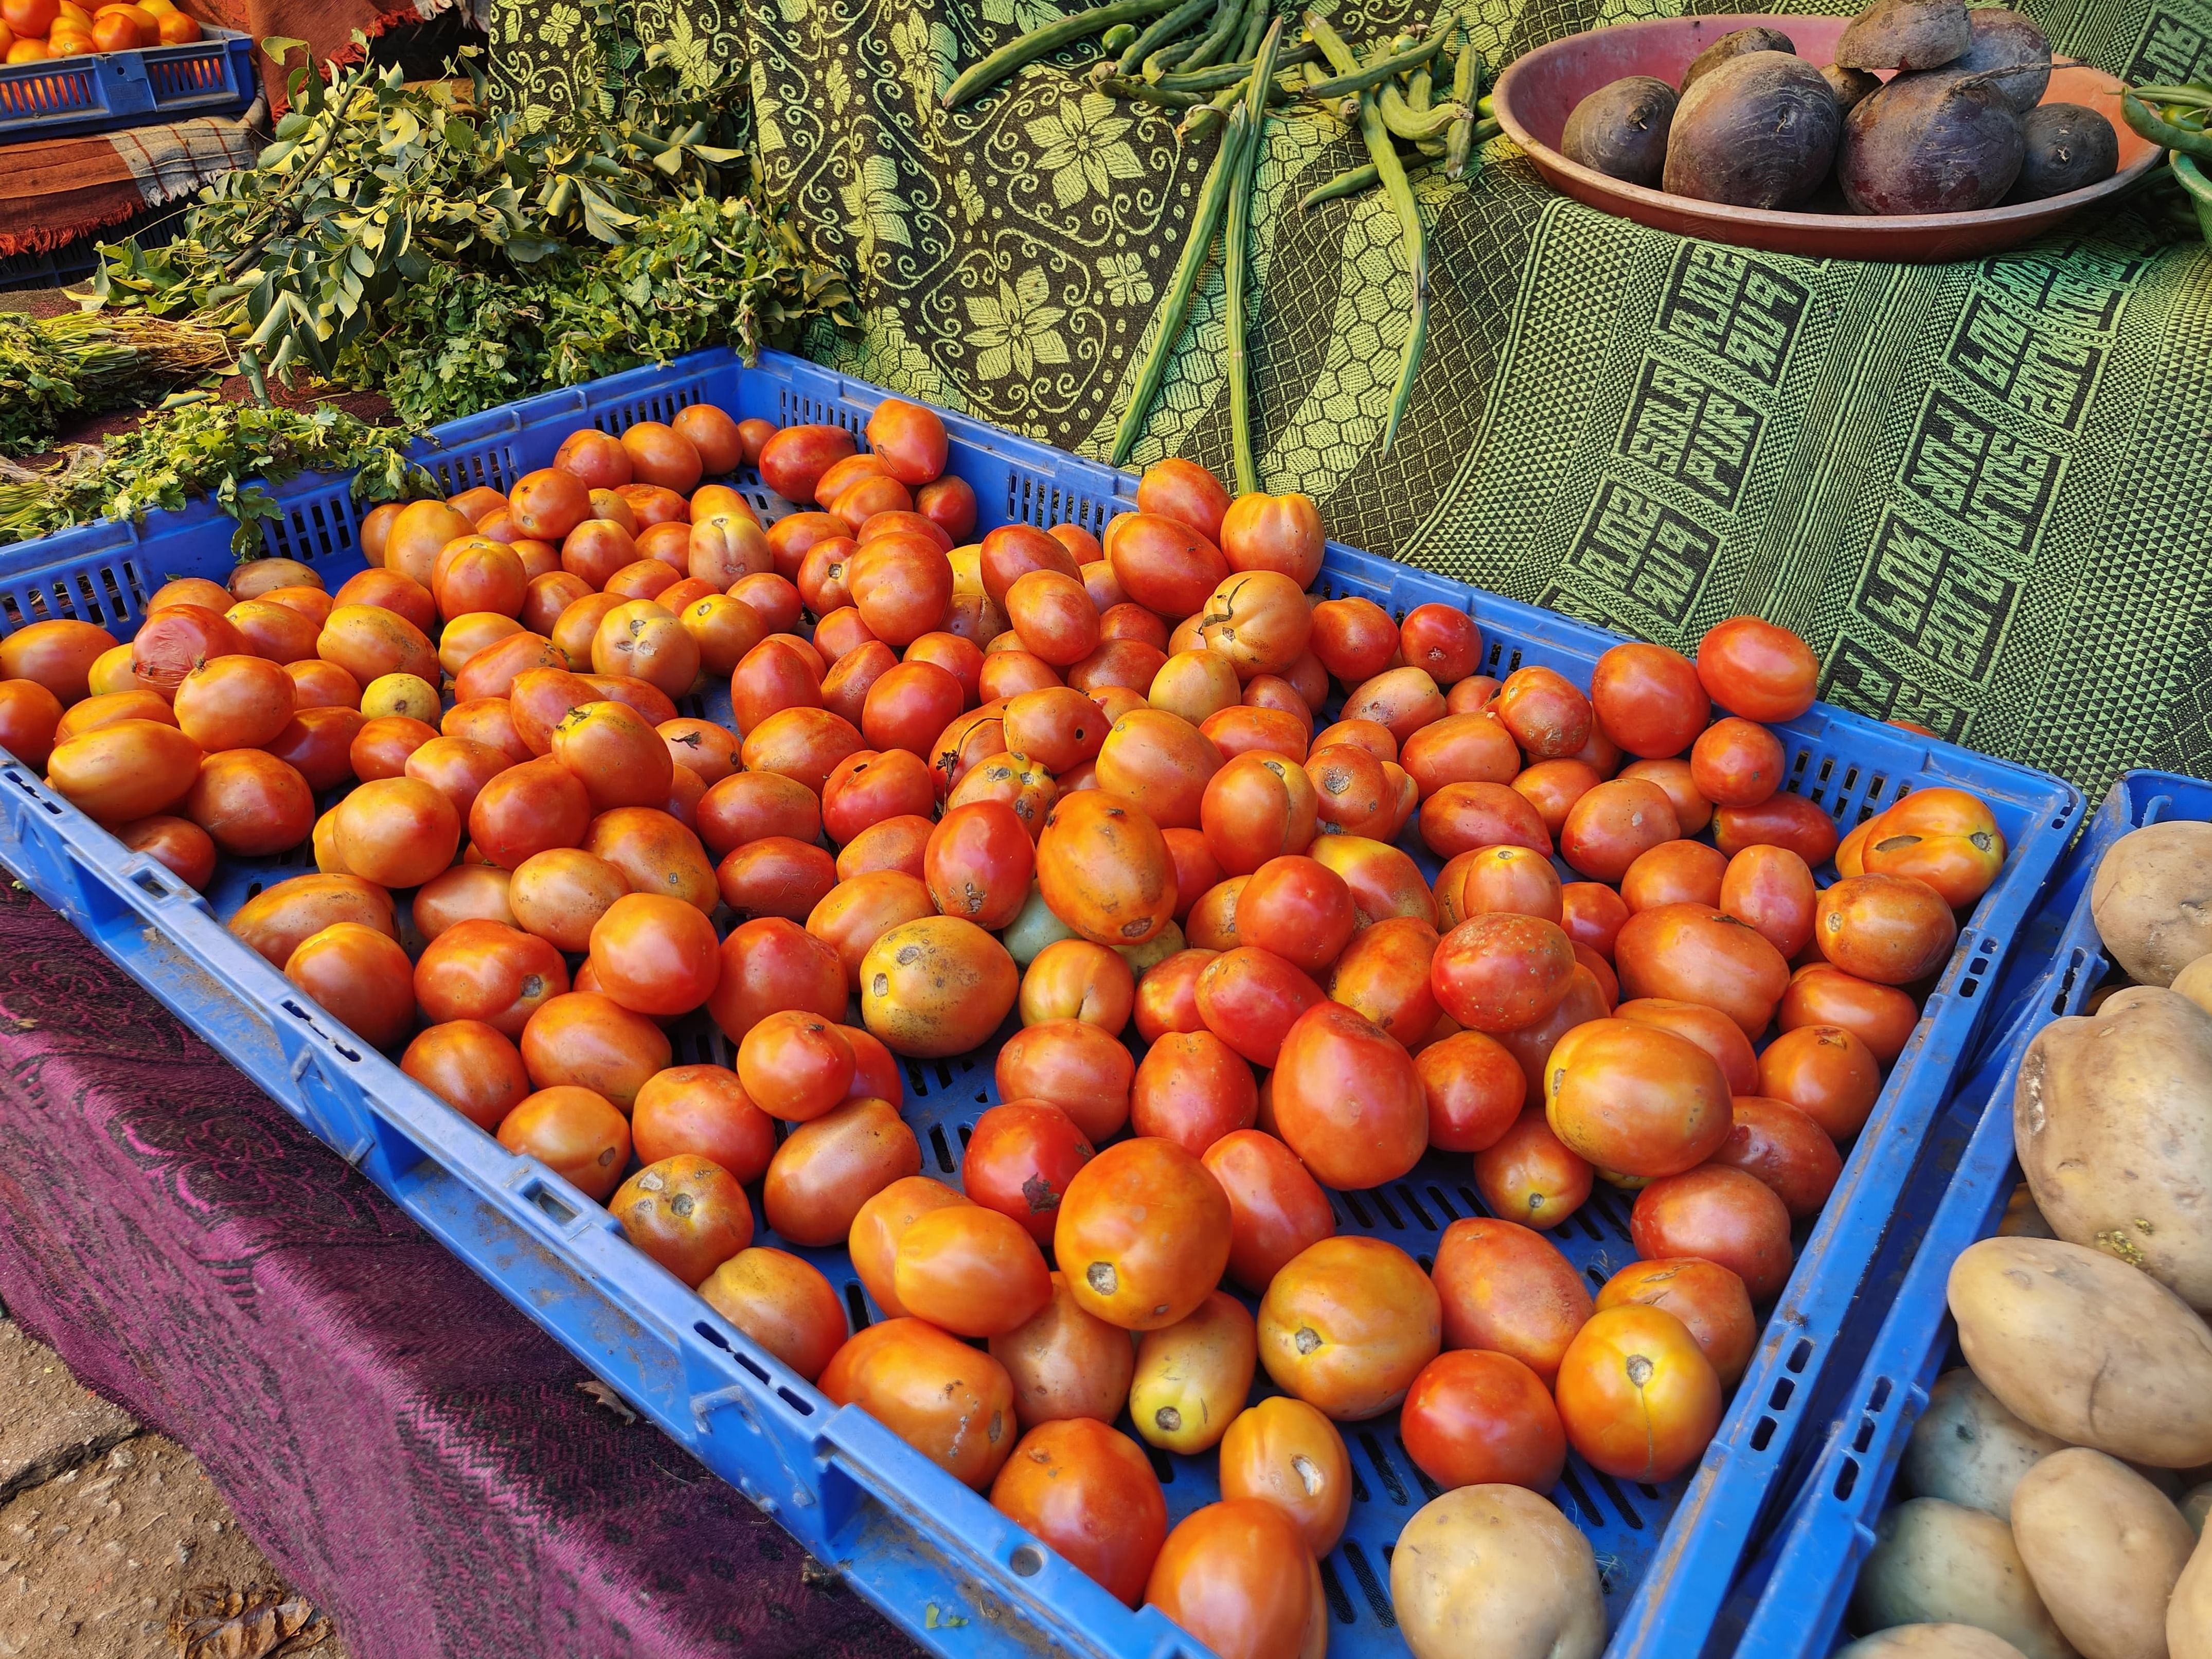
(2083, 1347)
(2112, 1120)
(2188, 1615)
(1905, 34)
(1734, 44)
(1496, 1572)
(1621, 130)
(1929, 143)
(2195, 979)
(2104, 1547)
(1939, 1563)
(2151, 899)
(1758, 131)
(1968, 1450)
(1930, 1642)
(2194, 1504)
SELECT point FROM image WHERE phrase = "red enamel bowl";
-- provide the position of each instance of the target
(1538, 91)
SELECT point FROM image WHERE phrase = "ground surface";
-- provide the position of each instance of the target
(114, 1542)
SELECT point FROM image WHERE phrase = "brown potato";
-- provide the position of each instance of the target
(2046, 1325)
(1496, 1570)
(2113, 1119)
(1937, 1563)
(2103, 1546)
(1967, 1448)
(2188, 1614)
(1931, 1642)
(2151, 899)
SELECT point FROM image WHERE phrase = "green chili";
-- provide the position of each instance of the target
(1042, 43)
(2160, 131)
(1392, 176)
(1175, 306)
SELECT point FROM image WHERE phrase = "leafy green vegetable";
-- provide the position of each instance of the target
(54, 368)
(205, 447)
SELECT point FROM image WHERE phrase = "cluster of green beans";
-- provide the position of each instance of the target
(1222, 62)
(2173, 117)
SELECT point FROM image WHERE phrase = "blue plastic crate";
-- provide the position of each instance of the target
(921, 1547)
(1794, 1600)
(100, 92)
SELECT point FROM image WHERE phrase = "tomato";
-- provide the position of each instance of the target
(936, 987)
(1707, 1298)
(1771, 889)
(1737, 763)
(970, 1269)
(1143, 1233)
(1383, 976)
(131, 769)
(1052, 614)
(776, 877)
(978, 862)
(1479, 1418)
(592, 1041)
(621, 760)
(1506, 1289)
(1498, 973)
(868, 497)
(878, 1225)
(702, 1110)
(1674, 872)
(1544, 712)
(909, 440)
(949, 503)
(1256, 808)
(1192, 1089)
(471, 1067)
(1719, 1214)
(1346, 1326)
(1299, 908)
(827, 1167)
(1195, 685)
(749, 805)
(251, 805)
(1161, 763)
(573, 1132)
(1457, 748)
(1167, 994)
(1385, 882)
(397, 832)
(1474, 1088)
(276, 921)
(1250, 998)
(1616, 822)
(1649, 699)
(1694, 953)
(861, 910)
(1065, 1361)
(382, 747)
(1087, 1491)
(1347, 1099)
(1164, 564)
(1593, 915)
(1193, 1377)
(178, 845)
(1211, 923)
(1354, 638)
(1825, 1073)
(902, 584)
(1527, 1175)
(234, 703)
(1708, 1028)
(1260, 620)
(1785, 1149)
(1104, 868)
(526, 809)
(30, 715)
(1892, 930)
(1880, 1016)
(655, 954)
(1188, 493)
(1020, 1157)
(782, 1303)
(1500, 881)
(655, 852)
(1080, 1068)
(1757, 670)
(1012, 551)
(361, 977)
(486, 971)
(1637, 1099)
(1074, 979)
(686, 1213)
(1281, 1451)
(1462, 817)
(951, 1404)
(793, 461)
(170, 644)
(795, 1066)
(1960, 867)
(1238, 1576)
(1639, 1399)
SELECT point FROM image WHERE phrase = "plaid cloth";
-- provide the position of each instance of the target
(54, 192)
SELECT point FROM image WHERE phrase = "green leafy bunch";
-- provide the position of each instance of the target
(56, 369)
(202, 446)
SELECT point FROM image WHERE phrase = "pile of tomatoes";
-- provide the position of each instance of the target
(33, 31)
(1034, 773)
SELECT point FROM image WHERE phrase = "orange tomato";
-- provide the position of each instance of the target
(1709, 1300)
(361, 977)
(1088, 1491)
(576, 1133)
(471, 1067)
(1694, 953)
(1347, 1324)
(1880, 1016)
(1508, 1289)
(971, 1270)
(1721, 1215)
(131, 769)
(1238, 1576)
(1282, 1451)
(1480, 1418)
(1065, 1361)
(951, 1403)
(829, 1166)
(1648, 699)
(1498, 973)
(1347, 1099)
(1709, 1029)
(783, 1304)
(1892, 930)
(488, 971)
(1752, 668)
(588, 1040)
(1637, 1396)
(1073, 1064)
(687, 1212)
(702, 1110)
(1527, 1175)
(1143, 1233)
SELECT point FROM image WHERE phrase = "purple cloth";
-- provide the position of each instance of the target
(409, 1451)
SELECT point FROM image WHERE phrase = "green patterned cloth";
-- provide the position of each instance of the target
(1982, 490)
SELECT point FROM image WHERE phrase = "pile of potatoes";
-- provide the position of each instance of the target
(2062, 1476)
(1959, 125)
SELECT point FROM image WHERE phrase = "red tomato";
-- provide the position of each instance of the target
(1506, 1289)
(1020, 1157)
(1088, 1491)
(1477, 1419)
(1354, 638)
(1276, 1209)
(1474, 1089)
(1709, 1300)
(361, 977)
(1498, 973)
(1547, 716)
(575, 1132)
(1771, 889)
(1736, 763)
(1192, 1089)
(1593, 915)
(1784, 1148)
(1649, 699)
(702, 1110)
(1692, 953)
(978, 862)
(1616, 822)
(1238, 1576)
(1721, 1215)
(1347, 1100)
(1755, 669)
(1825, 1073)
(1526, 1176)
(1167, 995)
(1269, 532)
(1085, 1071)
(1674, 872)
(1250, 998)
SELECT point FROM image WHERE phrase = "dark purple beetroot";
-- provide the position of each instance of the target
(1931, 143)
(1851, 86)
(1735, 45)
(1621, 130)
(2008, 42)
(2069, 148)
(1905, 34)
(1759, 131)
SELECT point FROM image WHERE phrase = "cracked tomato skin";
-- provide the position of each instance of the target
(1348, 1325)
(951, 1403)
(1143, 1233)
(1638, 1397)
(1020, 1157)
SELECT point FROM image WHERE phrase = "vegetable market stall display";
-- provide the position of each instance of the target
(1980, 1396)
(1967, 486)
(937, 982)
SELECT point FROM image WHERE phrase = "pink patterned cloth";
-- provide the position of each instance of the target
(410, 1452)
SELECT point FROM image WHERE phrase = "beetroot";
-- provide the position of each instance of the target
(2012, 50)
(1621, 130)
(1931, 143)
(1735, 45)
(1904, 34)
(2069, 148)
(1851, 86)
(1758, 131)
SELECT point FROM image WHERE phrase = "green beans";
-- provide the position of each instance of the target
(2188, 140)
(1228, 27)
(1175, 305)
(1123, 86)
(1398, 115)
(1236, 259)
(1393, 178)
(1466, 81)
(1159, 32)
(1043, 42)
(1376, 74)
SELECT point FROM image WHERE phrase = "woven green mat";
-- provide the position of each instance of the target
(1982, 490)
